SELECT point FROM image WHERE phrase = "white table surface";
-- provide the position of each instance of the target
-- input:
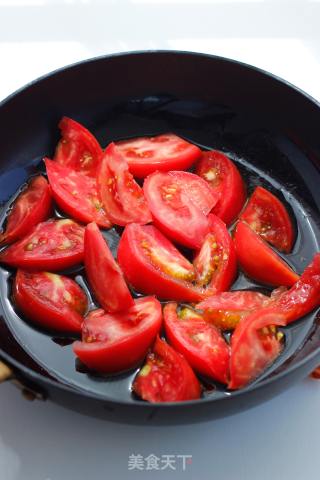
(277, 440)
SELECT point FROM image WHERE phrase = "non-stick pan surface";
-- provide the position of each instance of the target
(267, 126)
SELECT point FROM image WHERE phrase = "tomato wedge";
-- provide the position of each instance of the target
(268, 217)
(33, 205)
(78, 148)
(116, 342)
(255, 344)
(216, 264)
(153, 265)
(164, 152)
(51, 245)
(173, 211)
(50, 300)
(303, 296)
(198, 190)
(200, 342)
(76, 194)
(104, 275)
(225, 179)
(259, 261)
(121, 196)
(166, 376)
(225, 310)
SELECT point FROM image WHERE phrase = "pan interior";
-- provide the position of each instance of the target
(264, 157)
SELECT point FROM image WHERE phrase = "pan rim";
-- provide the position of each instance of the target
(59, 384)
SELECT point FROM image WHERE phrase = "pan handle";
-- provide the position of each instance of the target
(28, 392)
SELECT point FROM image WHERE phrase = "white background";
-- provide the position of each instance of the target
(277, 440)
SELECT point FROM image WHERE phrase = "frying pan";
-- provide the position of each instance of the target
(270, 129)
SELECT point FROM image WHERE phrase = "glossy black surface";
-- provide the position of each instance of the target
(266, 126)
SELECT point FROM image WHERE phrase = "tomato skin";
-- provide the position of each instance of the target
(303, 296)
(166, 376)
(50, 300)
(199, 342)
(78, 148)
(197, 189)
(165, 152)
(82, 204)
(259, 261)
(52, 245)
(225, 179)
(173, 211)
(225, 310)
(216, 262)
(122, 197)
(268, 217)
(253, 349)
(104, 275)
(33, 205)
(113, 343)
(250, 355)
(147, 277)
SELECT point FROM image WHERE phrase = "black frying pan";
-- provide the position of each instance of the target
(270, 128)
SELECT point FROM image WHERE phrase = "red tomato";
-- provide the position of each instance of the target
(76, 194)
(227, 309)
(121, 196)
(267, 216)
(32, 206)
(216, 264)
(255, 344)
(173, 211)
(166, 377)
(152, 265)
(200, 342)
(163, 153)
(316, 373)
(226, 181)
(198, 190)
(104, 275)
(50, 300)
(78, 148)
(259, 261)
(51, 245)
(115, 342)
(303, 296)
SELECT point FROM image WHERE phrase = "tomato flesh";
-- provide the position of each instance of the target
(104, 275)
(76, 194)
(52, 245)
(166, 152)
(33, 205)
(259, 261)
(200, 342)
(115, 342)
(152, 264)
(50, 300)
(173, 211)
(255, 344)
(166, 376)
(225, 180)
(198, 190)
(216, 264)
(268, 217)
(122, 197)
(303, 296)
(227, 309)
(78, 148)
